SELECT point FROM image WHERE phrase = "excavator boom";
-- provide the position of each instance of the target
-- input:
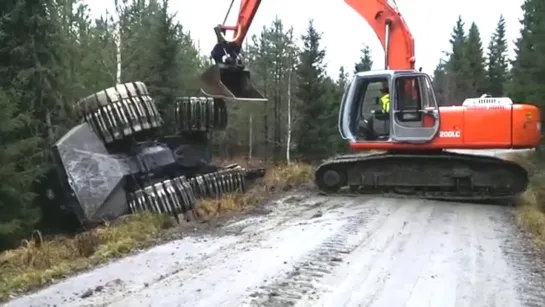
(391, 30)
(229, 79)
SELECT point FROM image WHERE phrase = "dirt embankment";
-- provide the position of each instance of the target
(41, 261)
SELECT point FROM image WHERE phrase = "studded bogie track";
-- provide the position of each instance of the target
(449, 176)
(169, 196)
(218, 183)
(120, 111)
(200, 114)
(179, 195)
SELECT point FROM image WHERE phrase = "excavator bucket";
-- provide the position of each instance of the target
(231, 83)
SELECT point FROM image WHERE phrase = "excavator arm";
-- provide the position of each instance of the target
(229, 78)
(246, 14)
(383, 17)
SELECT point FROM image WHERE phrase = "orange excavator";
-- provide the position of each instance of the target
(413, 135)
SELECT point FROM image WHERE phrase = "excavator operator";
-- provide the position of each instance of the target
(385, 99)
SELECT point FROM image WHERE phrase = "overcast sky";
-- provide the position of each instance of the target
(344, 31)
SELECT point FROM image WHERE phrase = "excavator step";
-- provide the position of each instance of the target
(442, 175)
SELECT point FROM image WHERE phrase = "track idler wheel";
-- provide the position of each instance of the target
(200, 114)
(120, 111)
(170, 196)
(329, 179)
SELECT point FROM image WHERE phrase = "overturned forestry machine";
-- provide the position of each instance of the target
(117, 161)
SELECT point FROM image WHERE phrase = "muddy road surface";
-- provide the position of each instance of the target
(309, 250)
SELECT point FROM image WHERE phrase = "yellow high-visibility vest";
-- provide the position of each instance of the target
(385, 101)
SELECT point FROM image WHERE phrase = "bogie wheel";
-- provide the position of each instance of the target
(120, 111)
(200, 114)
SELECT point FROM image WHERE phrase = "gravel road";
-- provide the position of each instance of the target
(310, 250)
(335, 251)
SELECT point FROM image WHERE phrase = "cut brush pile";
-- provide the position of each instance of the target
(40, 261)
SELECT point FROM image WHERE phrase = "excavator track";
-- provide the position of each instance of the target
(441, 175)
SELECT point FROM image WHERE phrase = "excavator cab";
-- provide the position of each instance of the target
(412, 115)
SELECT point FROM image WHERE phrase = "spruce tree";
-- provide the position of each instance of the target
(528, 70)
(30, 108)
(439, 83)
(456, 57)
(366, 62)
(497, 66)
(17, 213)
(342, 79)
(312, 92)
(165, 77)
(476, 62)
(457, 66)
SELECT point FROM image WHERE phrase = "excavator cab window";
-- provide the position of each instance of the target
(408, 100)
(373, 121)
(413, 94)
(415, 110)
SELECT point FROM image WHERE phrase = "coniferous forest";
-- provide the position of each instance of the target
(52, 53)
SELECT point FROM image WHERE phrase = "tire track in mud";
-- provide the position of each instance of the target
(392, 258)
(390, 253)
(301, 283)
(359, 251)
(249, 256)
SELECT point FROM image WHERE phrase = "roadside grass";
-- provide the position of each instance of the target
(41, 261)
(531, 204)
(280, 178)
(38, 261)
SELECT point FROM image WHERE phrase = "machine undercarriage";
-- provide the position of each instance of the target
(433, 175)
(117, 161)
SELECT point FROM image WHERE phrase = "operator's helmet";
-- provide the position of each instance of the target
(384, 89)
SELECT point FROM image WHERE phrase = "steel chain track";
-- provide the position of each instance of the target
(341, 162)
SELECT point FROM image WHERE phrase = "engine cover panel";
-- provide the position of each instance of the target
(93, 179)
